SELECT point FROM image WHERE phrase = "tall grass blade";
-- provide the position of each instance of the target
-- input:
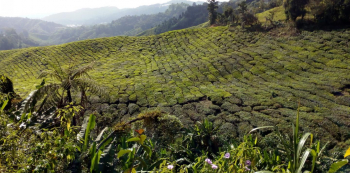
(314, 157)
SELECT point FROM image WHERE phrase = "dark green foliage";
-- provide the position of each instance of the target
(328, 12)
(6, 85)
(193, 16)
(212, 7)
(229, 14)
(295, 8)
(243, 7)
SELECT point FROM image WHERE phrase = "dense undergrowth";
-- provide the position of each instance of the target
(171, 148)
(165, 146)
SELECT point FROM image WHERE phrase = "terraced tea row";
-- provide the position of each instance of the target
(244, 79)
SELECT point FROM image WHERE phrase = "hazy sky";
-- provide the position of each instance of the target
(39, 8)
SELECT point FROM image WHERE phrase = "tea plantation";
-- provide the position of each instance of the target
(238, 79)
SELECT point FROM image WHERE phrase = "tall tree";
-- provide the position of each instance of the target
(212, 7)
(229, 14)
(327, 12)
(242, 7)
(295, 8)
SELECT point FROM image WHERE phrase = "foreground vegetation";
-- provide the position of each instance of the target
(172, 148)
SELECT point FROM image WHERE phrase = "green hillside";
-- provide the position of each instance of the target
(244, 79)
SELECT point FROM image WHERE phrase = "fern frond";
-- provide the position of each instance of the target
(82, 72)
(56, 67)
(49, 92)
(90, 86)
(51, 73)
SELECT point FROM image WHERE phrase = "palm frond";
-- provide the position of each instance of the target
(82, 71)
(56, 67)
(49, 92)
(51, 73)
(90, 86)
(67, 83)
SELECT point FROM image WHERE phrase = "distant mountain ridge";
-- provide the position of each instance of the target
(93, 16)
(81, 16)
(29, 25)
(127, 25)
(24, 32)
(16, 32)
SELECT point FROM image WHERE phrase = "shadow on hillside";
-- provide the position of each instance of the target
(309, 25)
(252, 28)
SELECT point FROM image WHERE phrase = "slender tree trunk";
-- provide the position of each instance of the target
(70, 100)
(83, 102)
(69, 95)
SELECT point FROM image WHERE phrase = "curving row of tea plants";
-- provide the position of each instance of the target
(238, 78)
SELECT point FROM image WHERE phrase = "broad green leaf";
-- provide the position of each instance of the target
(107, 156)
(142, 139)
(99, 137)
(92, 150)
(135, 139)
(337, 165)
(347, 153)
(264, 172)
(94, 162)
(91, 124)
(105, 143)
(82, 131)
(123, 152)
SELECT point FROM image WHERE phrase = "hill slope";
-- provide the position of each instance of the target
(244, 80)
